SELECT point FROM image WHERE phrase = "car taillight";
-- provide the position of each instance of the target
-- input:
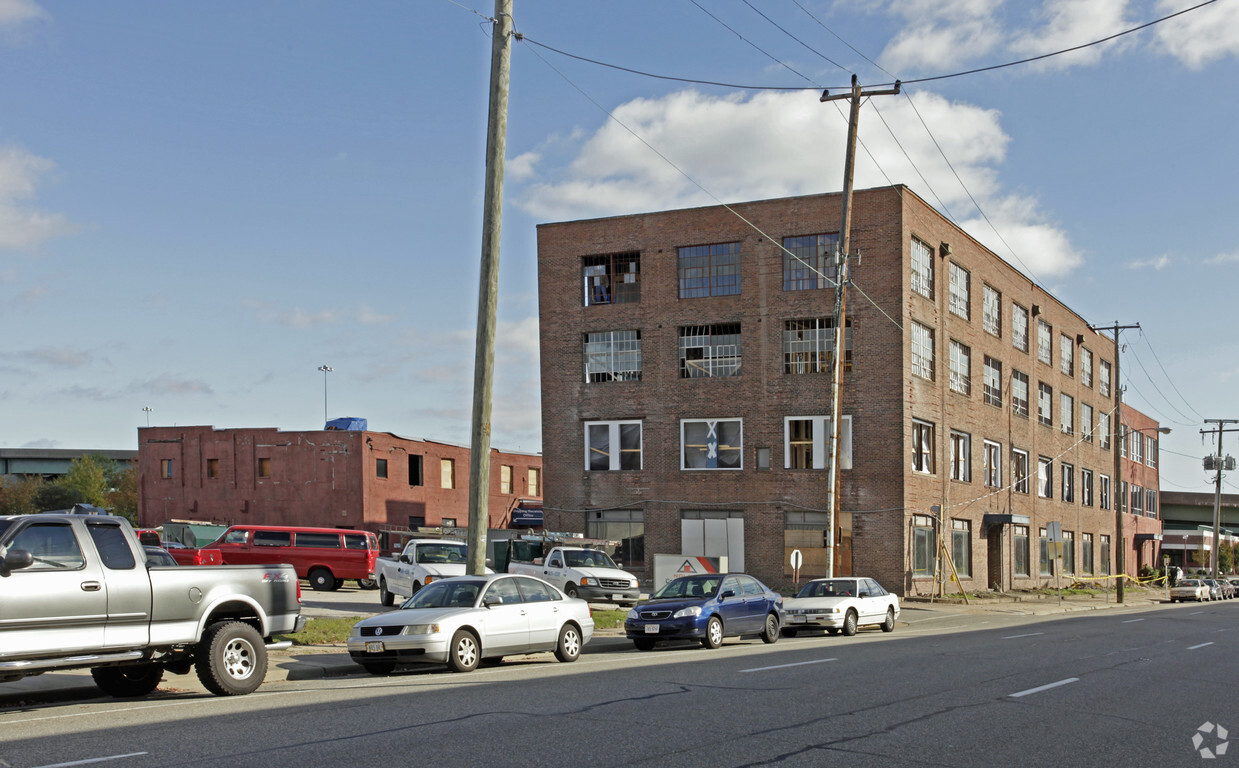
(298, 592)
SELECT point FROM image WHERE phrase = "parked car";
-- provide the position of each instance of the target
(421, 562)
(706, 607)
(158, 556)
(841, 604)
(1216, 591)
(323, 556)
(590, 574)
(464, 620)
(1189, 589)
(1228, 589)
(1234, 582)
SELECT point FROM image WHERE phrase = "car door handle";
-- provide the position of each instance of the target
(91, 586)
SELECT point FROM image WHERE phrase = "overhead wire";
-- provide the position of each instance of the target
(1167, 375)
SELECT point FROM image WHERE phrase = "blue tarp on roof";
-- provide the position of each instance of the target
(347, 423)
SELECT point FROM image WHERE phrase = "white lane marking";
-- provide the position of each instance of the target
(1132, 621)
(1016, 637)
(934, 618)
(1202, 645)
(88, 761)
(936, 629)
(1195, 613)
(785, 666)
(1041, 688)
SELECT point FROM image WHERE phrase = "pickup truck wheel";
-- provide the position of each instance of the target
(379, 667)
(570, 590)
(231, 659)
(127, 682)
(569, 646)
(322, 579)
(889, 624)
(385, 598)
(714, 633)
(771, 633)
(463, 653)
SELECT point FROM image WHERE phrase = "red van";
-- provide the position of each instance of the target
(323, 556)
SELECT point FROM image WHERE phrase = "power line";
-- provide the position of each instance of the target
(1172, 384)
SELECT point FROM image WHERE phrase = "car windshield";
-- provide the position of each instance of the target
(1189, 583)
(829, 588)
(440, 553)
(689, 587)
(588, 558)
(446, 594)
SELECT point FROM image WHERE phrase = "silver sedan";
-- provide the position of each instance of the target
(465, 620)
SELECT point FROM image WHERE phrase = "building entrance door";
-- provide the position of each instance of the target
(994, 570)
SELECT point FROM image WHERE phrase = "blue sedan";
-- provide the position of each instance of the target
(706, 607)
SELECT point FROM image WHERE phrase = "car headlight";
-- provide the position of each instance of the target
(632, 613)
(421, 629)
(587, 581)
(683, 613)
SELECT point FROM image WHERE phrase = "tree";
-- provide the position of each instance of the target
(123, 498)
(17, 494)
(55, 496)
(1225, 559)
(87, 479)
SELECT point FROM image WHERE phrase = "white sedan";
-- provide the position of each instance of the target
(1189, 589)
(841, 604)
(465, 620)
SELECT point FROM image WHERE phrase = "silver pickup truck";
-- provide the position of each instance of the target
(76, 591)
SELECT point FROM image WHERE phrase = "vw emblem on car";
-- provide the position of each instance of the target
(378, 631)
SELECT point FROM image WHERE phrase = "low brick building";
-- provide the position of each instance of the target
(343, 479)
(685, 360)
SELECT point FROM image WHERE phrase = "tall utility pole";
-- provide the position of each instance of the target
(326, 369)
(840, 310)
(488, 290)
(1217, 494)
(1116, 433)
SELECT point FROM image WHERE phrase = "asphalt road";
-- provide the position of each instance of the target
(1119, 687)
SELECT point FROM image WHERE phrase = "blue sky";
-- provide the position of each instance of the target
(202, 204)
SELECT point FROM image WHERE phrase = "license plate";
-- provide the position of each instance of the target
(617, 597)
(651, 629)
(798, 619)
(374, 646)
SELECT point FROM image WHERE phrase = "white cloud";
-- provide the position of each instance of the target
(58, 357)
(20, 225)
(370, 316)
(170, 385)
(1069, 23)
(1224, 258)
(1159, 263)
(941, 34)
(15, 12)
(522, 166)
(1199, 37)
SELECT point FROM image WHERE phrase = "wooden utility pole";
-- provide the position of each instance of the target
(840, 309)
(1119, 498)
(488, 290)
(1217, 493)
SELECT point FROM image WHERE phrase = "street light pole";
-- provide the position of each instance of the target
(148, 410)
(326, 369)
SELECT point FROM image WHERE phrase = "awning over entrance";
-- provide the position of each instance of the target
(994, 518)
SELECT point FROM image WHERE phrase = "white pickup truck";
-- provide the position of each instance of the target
(589, 574)
(421, 562)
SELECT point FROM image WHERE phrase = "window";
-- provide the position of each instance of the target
(1019, 327)
(961, 368)
(1137, 444)
(1105, 554)
(1066, 413)
(1086, 421)
(1019, 393)
(113, 547)
(318, 540)
(1086, 553)
(1045, 342)
(1103, 491)
(992, 382)
(1086, 487)
(809, 343)
(961, 546)
(212, 468)
(712, 444)
(505, 479)
(1086, 367)
(1045, 478)
(1123, 440)
(922, 546)
(165, 469)
(264, 467)
(1137, 500)
(1069, 482)
(1103, 379)
(809, 262)
(1045, 404)
(1069, 552)
(627, 526)
(1045, 553)
(612, 356)
(447, 473)
(273, 539)
(806, 442)
(1150, 454)
(1019, 470)
(447, 522)
(922, 351)
(763, 458)
(1150, 502)
(991, 311)
(612, 445)
(960, 290)
(709, 270)
(612, 279)
(54, 547)
(710, 351)
(806, 531)
(993, 464)
(961, 456)
(415, 470)
(534, 481)
(380, 467)
(1066, 355)
(1019, 553)
(1103, 429)
(922, 446)
(922, 269)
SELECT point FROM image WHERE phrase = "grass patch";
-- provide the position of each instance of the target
(609, 619)
(321, 630)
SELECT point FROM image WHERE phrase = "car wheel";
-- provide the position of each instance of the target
(127, 682)
(322, 580)
(889, 624)
(787, 632)
(379, 667)
(714, 633)
(463, 653)
(643, 644)
(231, 659)
(385, 598)
(771, 633)
(570, 590)
(569, 646)
(339, 583)
(367, 584)
(849, 623)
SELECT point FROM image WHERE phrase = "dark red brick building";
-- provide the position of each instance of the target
(685, 360)
(342, 479)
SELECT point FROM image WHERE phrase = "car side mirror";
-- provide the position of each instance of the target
(14, 560)
(490, 600)
(406, 559)
(555, 564)
(726, 594)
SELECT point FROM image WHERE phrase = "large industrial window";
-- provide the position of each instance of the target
(712, 444)
(1045, 342)
(922, 269)
(1045, 477)
(1103, 491)
(1086, 367)
(1069, 552)
(1105, 554)
(1066, 355)
(922, 350)
(1066, 413)
(612, 279)
(993, 464)
(1045, 553)
(806, 442)
(960, 291)
(1019, 327)
(809, 262)
(612, 446)
(991, 311)
(809, 343)
(1086, 487)
(1086, 422)
(961, 546)
(922, 546)
(1086, 553)
(961, 368)
(613, 356)
(710, 351)
(961, 456)
(709, 270)
(1019, 470)
(1019, 553)
(1069, 482)
(627, 526)
(534, 482)
(1019, 393)
(992, 382)
(1103, 378)
(1045, 404)
(922, 446)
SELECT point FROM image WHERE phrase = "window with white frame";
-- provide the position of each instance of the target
(809, 262)
(922, 269)
(1150, 453)
(1086, 553)
(1019, 393)
(1019, 550)
(710, 351)
(709, 270)
(993, 464)
(922, 351)
(809, 343)
(1150, 502)
(1137, 445)
(1069, 481)
(1086, 487)
(1123, 440)
(992, 381)
(1105, 554)
(1045, 552)
(712, 444)
(1019, 470)
(1103, 429)
(806, 442)
(1066, 355)
(1045, 404)
(961, 368)
(923, 546)
(1137, 500)
(1103, 378)
(1069, 552)
(1103, 491)
(1086, 421)
(1019, 327)
(1045, 342)
(922, 446)
(961, 456)
(1086, 367)
(612, 356)
(612, 279)
(961, 290)
(1066, 413)
(961, 546)
(1045, 477)
(612, 445)
(991, 311)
